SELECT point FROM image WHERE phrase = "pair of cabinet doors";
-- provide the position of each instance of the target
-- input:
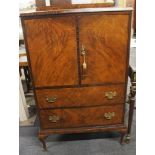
(55, 45)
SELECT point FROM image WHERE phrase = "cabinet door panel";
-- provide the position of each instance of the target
(52, 50)
(105, 39)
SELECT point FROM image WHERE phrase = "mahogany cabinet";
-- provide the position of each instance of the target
(79, 65)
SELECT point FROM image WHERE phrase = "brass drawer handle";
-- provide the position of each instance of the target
(53, 118)
(110, 95)
(51, 99)
(109, 115)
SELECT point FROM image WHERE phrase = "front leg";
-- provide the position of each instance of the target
(127, 139)
(42, 138)
(122, 138)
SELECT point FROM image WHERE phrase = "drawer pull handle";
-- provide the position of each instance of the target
(110, 95)
(51, 99)
(53, 118)
(109, 115)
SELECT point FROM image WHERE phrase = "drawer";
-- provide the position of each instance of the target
(82, 96)
(82, 117)
(51, 118)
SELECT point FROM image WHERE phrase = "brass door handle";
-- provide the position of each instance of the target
(84, 64)
(51, 99)
(110, 95)
(53, 118)
(83, 53)
(109, 115)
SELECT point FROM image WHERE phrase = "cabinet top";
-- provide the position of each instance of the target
(74, 11)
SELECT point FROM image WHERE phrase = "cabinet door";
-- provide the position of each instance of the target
(52, 50)
(105, 41)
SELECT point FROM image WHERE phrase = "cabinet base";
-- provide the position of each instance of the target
(44, 133)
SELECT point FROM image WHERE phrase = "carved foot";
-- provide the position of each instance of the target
(127, 139)
(42, 139)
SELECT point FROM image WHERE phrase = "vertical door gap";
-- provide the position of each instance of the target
(78, 49)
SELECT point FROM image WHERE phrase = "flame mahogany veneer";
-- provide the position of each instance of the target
(69, 97)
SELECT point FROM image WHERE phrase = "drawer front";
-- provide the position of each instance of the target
(81, 117)
(83, 96)
(51, 118)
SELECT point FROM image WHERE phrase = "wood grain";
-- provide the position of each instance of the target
(46, 123)
(105, 39)
(52, 46)
(108, 128)
(81, 117)
(84, 96)
(107, 10)
(91, 116)
(53, 42)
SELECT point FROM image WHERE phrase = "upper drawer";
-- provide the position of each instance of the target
(83, 96)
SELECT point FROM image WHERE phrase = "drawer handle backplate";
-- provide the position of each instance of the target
(53, 118)
(110, 95)
(109, 115)
(51, 99)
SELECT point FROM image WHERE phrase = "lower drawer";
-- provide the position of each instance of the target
(81, 117)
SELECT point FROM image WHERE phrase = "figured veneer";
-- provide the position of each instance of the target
(79, 117)
(45, 120)
(84, 96)
(72, 98)
(105, 39)
(92, 116)
(52, 46)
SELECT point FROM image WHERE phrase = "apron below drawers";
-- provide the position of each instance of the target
(83, 96)
(81, 117)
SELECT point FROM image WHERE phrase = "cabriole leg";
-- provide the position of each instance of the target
(42, 139)
(122, 138)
